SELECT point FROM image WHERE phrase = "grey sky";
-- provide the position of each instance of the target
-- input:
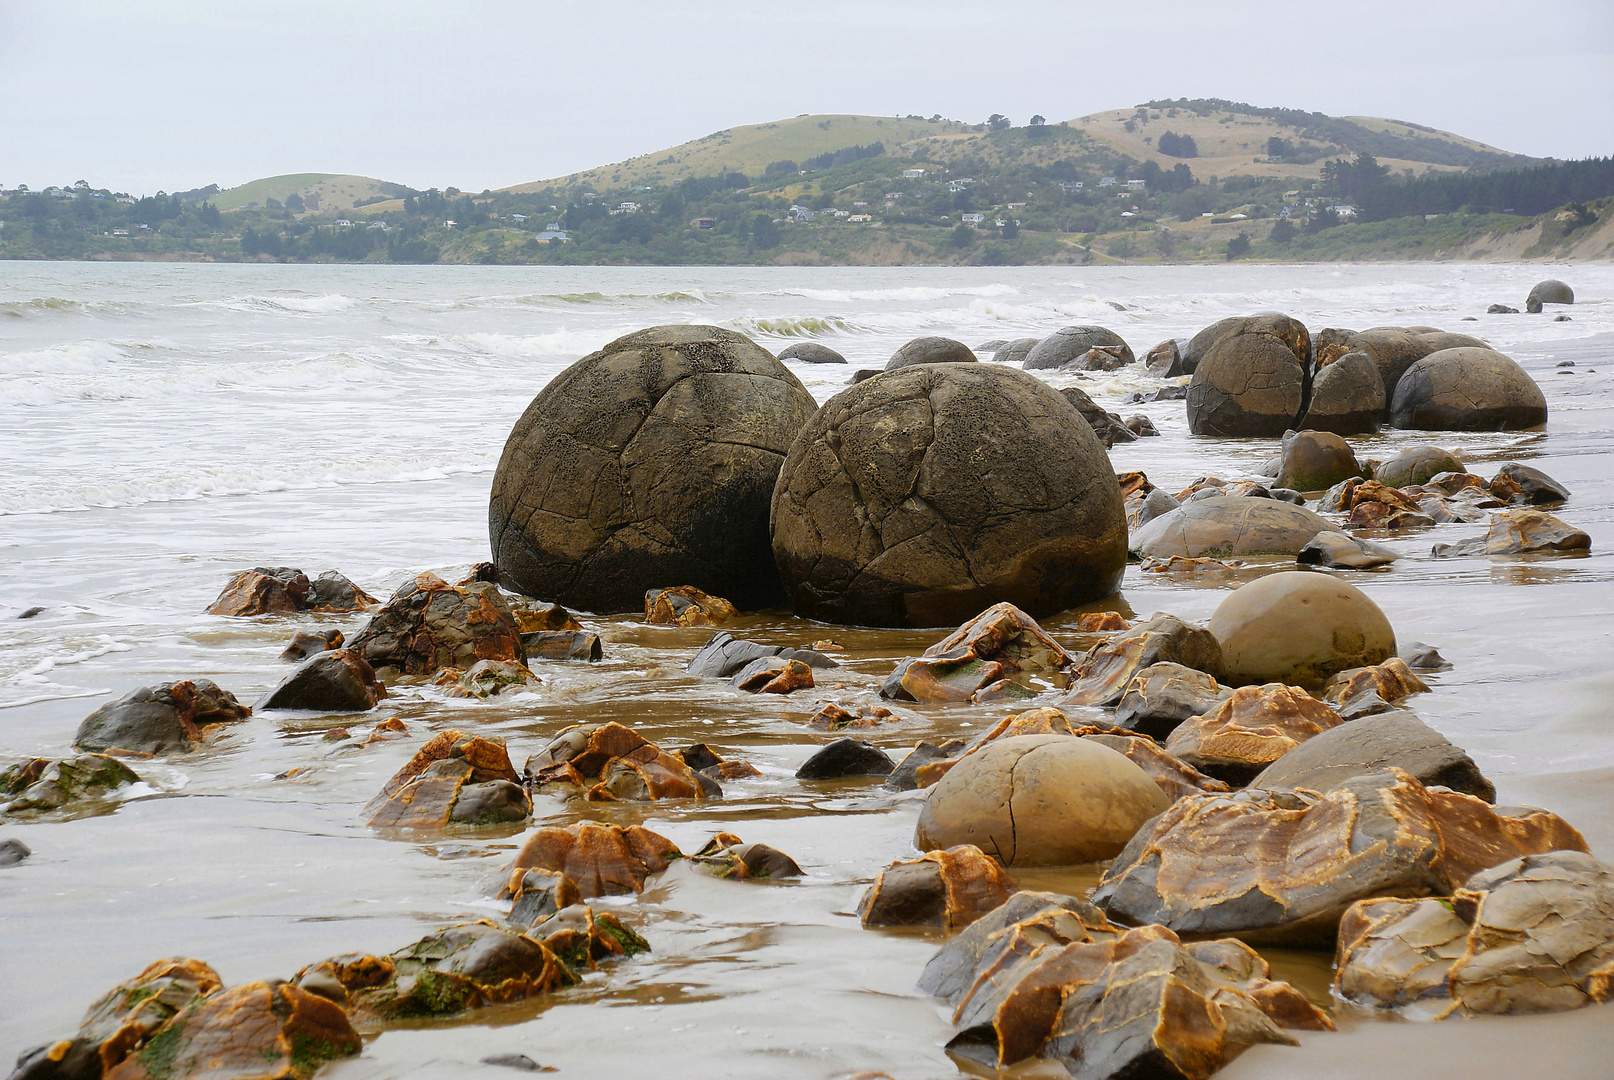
(146, 95)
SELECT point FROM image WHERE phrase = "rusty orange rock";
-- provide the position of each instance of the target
(429, 624)
(603, 860)
(997, 644)
(831, 717)
(1107, 670)
(1095, 622)
(605, 762)
(775, 676)
(1282, 866)
(685, 605)
(1392, 680)
(951, 887)
(453, 776)
(1250, 730)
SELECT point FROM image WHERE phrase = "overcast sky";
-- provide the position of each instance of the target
(141, 96)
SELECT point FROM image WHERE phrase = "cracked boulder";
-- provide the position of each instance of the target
(1040, 800)
(924, 496)
(950, 888)
(1347, 397)
(1074, 343)
(332, 681)
(1250, 730)
(685, 605)
(429, 624)
(1298, 627)
(169, 718)
(1534, 934)
(1281, 867)
(1159, 697)
(68, 785)
(601, 860)
(1520, 532)
(285, 590)
(611, 763)
(453, 777)
(1222, 526)
(1467, 390)
(774, 675)
(998, 644)
(1105, 674)
(649, 461)
(1251, 382)
(1372, 744)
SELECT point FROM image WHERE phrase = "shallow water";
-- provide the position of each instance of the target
(162, 427)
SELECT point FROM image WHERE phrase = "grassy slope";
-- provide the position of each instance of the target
(336, 191)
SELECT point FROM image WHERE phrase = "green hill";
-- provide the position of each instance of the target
(320, 191)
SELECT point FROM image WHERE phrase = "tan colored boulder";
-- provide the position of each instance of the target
(1223, 527)
(1315, 460)
(1281, 867)
(1391, 682)
(1521, 532)
(1107, 671)
(1299, 627)
(1250, 730)
(774, 675)
(950, 888)
(1040, 800)
(602, 860)
(685, 605)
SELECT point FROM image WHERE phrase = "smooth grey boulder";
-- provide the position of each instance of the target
(930, 350)
(1073, 342)
(13, 851)
(811, 352)
(846, 757)
(1551, 291)
(1344, 552)
(340, 680)
(1371, 744)
(724, 655)
(1014, 352)
(1467, 390)
(1251, 382)
(1535, 486)
(160, 719)
(1347, 397)
(1229, 525)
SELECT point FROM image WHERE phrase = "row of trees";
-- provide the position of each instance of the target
(1518, 191)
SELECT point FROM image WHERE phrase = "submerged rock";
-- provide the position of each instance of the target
(609, 762)
(905, 777)
(13, 851)
(1040, 800)
(1344, 552)
(724, 655)
(831, 717)
(43, 786)
(453, 777)
(1391, 683)
(774, 675)
(996, 645)
(1534, 934)
(685, 605)
(429, 624)
(337, 681)
(950, 888)
(1220, 526)
(1372, 744)
(1281, 867)
(1298, 627)
(846, 757)
(727, 856)
(811, 352)
(167, 718)
(563, 645)
(602, 860)
(487, 678)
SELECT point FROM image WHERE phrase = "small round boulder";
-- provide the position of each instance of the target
(930, 350)
(1551, 291)
(811, 352)
(1299, 628)
(924, 496)
(1013, 352)
(649, 462)
(1416, 465)
(1062, 346)
(1316, 460)
(1040, 800)
(1467, 390)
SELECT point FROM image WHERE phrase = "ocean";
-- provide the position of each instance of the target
(165, 426)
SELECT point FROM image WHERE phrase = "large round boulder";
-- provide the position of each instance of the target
(1040, 800)
(1550, 291)
(1072, 343)
(1251, 382)
(930, 350)
(1467, 390)
(928, 494)
(811, 352)
(1230, 525)
(1441, 339)
(1393, 350)
(1298, 628)
(1013, 352)
(1347, 397)
(646, 464)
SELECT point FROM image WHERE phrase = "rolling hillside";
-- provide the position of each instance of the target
(333, 191)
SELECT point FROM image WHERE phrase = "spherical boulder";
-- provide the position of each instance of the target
(1347, 397)
(1250, 383)
(1440, 339)
(1040, 800)
(1551, 291)
(928, 494)
(930, 350)
(1299, 628)
(1316, 460)
(1467, 390)
(1015, 351)
(1292, 332)
(811, 352)
(1416, 465)
(1393, 350)
(1071, 343)
(1228, 525)
(647, 463)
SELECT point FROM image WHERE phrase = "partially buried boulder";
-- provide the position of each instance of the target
(1521, 532)
(1366, 690)
(1040, 800)
(685, 605)
(486, 678)
(1534, 934)
(1222, 526)
(647, 462)
(774, 675)
(846, 757)
(1072, 343)
(1251, 382)
(921, 497)
(285, 590)
(1281, 867)
(1110, 668)
(1373, 744)
(1550, 291)
(1161, 696)
(930, 350)
(999, 644)
(164, 719)
(724, 655)
(1467, 390)
(1299, 627)
(811, 352)
(609, 762)
(1415, 465)
(1250, 730)
(602, 860)
(728, 857)
(1344, 551)
(429, 624)
(1315, 460)
(73, 785)
(950, 888)
(340, 681)
(453, 777)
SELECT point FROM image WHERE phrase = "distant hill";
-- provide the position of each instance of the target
(333, 191)
(1232, 139)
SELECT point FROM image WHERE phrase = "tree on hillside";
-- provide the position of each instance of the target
(1282, 232)
(963, 236)
(1039, 120)
(997, 122)
(764, 233)
(1174, 145)
(1237, 246)
(294, 203)
(1278, 148)
(1357, 181)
